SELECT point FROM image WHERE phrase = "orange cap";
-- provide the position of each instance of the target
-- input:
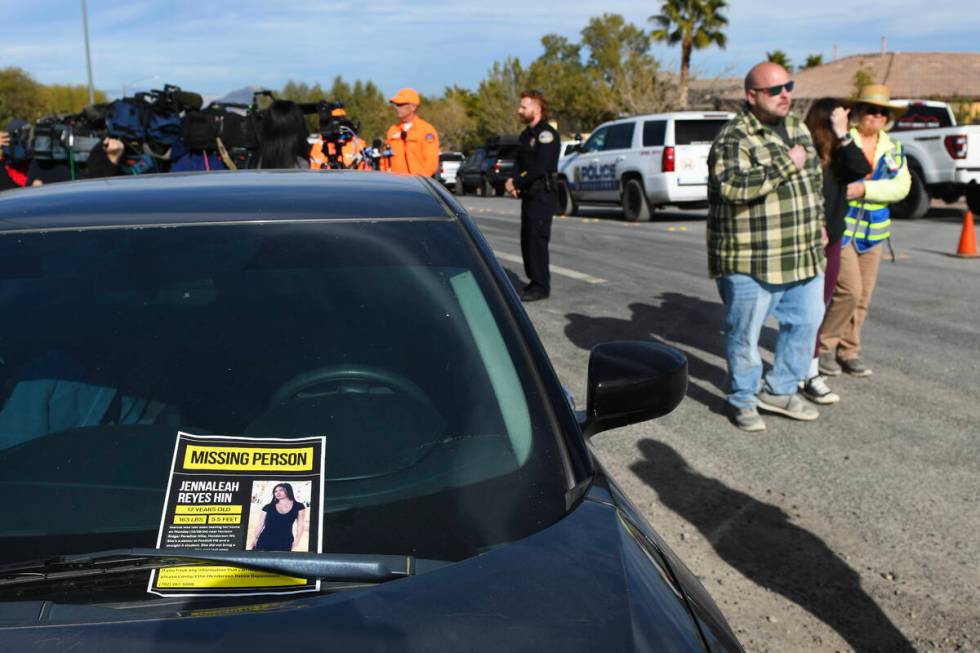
(406, 96)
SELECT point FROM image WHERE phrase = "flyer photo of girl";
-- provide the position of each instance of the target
(279, 518)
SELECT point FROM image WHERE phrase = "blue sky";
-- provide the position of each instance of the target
(212, 46)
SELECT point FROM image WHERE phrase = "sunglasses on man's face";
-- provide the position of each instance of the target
(773, 91)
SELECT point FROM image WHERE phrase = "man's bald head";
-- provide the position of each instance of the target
(766, 74)
(761, 80)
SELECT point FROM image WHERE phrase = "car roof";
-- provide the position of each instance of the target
(226, 196)
(675, 115)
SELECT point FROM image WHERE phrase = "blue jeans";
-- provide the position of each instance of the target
(798, 307)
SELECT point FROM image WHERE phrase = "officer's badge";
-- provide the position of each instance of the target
(430, 137)
(546, 137)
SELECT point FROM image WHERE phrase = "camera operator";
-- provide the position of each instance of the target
(105, 158)
(353, 148)
(13, 174)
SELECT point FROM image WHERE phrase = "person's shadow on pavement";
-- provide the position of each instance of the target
(759, 540)
(689, 323)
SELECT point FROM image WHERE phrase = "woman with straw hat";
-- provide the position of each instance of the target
(867, 226)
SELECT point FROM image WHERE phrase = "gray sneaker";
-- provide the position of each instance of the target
(747, 419)
(855, 367)
(815, 389)
(827, 363)
(793, 406)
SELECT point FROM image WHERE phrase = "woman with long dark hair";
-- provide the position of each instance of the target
(274, 531)
(842, 162)
(283, 137)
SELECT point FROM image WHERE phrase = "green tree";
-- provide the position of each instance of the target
(369, 108)
(695, 25)
(624, 76)
(781, 58)
(862, 77)
(812, 61)
(562, 77)
(498, 96)
(448, 115)
(20, 96)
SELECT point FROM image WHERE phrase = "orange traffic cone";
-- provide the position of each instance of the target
(968, 239)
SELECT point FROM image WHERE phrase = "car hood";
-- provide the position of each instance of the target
(586, 583)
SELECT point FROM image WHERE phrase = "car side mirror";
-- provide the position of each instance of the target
(632, 381)
(573, 149)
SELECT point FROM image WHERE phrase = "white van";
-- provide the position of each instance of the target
(642, 163)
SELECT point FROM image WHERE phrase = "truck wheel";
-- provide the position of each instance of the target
(916, 203)
(485, 188)
(635, 207)
(566, 203)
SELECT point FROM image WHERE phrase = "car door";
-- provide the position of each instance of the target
(615, 147)
(584, 176)
(469, 172)
(654, 181)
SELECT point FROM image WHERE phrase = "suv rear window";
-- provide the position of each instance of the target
(921, 116)
(692, 132)
(504, 152)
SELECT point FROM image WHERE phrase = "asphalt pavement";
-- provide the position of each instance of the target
(857, 532)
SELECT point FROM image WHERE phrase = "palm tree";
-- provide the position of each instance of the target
(812, 61)
(695, 24)
(781, 58)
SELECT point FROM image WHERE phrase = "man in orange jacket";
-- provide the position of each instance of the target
(351, 152)
(414, 143)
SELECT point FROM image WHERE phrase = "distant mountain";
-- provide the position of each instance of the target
(240, 96)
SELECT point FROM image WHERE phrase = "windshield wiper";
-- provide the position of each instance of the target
(339, 567)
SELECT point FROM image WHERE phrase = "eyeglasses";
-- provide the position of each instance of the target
(773, 91)
(872, 110)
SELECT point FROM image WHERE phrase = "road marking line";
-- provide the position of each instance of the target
(557, 269)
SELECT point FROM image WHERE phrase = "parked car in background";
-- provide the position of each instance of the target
(943, 156)
(486, 171)
(569, 147)
(642, 163)
(463, 506)
(449, 163)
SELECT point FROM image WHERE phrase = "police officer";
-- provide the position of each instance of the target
(534, 182)
(413, 142)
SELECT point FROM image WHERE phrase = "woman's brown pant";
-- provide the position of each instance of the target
(841, 330)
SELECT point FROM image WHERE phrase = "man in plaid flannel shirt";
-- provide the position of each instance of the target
(765, 246)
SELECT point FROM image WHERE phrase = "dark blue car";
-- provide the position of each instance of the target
(462, 507)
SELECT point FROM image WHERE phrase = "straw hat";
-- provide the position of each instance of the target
(877, 95)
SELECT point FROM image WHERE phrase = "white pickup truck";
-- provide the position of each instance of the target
(641, 163)
(943, 156)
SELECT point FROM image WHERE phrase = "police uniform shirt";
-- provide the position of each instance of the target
(537, 157)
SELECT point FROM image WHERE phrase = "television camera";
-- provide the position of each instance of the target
(337, 134)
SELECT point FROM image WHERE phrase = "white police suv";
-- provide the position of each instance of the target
(642, 163)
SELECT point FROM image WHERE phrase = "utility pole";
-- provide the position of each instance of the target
(88, 54)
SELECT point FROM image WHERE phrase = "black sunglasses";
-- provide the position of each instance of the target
(773, 91)
(871, 110)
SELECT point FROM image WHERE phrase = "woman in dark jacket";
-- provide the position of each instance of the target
(842, 162)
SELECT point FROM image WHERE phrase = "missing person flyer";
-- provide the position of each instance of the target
(240, 494)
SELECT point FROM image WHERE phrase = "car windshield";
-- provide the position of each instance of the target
(390, 335)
